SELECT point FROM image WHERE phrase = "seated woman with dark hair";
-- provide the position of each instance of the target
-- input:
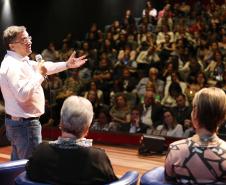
(71, 159)
(170, 126)
(93, 86)
(101, 123)
(199, 83)
(200, 159)
(96, 103)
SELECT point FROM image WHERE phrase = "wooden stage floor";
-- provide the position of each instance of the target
(122, 158)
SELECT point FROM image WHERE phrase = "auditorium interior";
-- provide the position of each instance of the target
(146, 61)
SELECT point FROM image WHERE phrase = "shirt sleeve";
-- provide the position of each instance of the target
(55, 67)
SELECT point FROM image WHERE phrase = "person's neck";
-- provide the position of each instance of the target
(22, 55)
(203, 132)
(67, 135)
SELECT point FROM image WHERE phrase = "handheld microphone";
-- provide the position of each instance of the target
(40, 61)
(38, 58)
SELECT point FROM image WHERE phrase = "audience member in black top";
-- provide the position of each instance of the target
(71, 159)
(182, 111)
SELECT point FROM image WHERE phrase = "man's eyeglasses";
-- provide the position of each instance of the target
(24, 40)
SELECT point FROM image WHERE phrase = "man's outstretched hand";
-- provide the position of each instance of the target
(73, 62)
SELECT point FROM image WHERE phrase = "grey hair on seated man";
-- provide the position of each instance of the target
(71, 158)
(76, 116)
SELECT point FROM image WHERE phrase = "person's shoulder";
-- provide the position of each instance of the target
(144, 80)
(222, 144)
(157, 106)
(92, 153)
(179, 143)
(6, 59)
(179, 125)
(43, 150)
(43, 145)
(95, 151)
(175, 109)
(160, 82)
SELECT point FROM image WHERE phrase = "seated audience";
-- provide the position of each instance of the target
(149, 11)
(119, 112)
(221, 131)
(65, 51)
(96, 103)
(128, 81)
(200, 159)
(215, 69)
(188, 128)
(172, 90)
(181, 110)
(102, 75)
(201, 80)
(52, 87)
(50, 53)
(170, 127)
(151, 111)
(152, 77)
(93, 86)
(191, 90)
(135, 125)
(101, 123)
(191, 69)
(48, 118)
(71, 85)
(71, 159)
(182, 113)
(222, 84)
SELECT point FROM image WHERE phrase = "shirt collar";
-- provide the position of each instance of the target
(17, 56)
(69, 142)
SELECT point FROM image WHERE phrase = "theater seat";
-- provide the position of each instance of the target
(129, 178)
(23, 180)
(154, 177)
(9, 170)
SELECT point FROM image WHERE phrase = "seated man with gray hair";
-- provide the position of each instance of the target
(71, 159)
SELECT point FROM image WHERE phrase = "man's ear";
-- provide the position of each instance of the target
(60, 125)
(195, 120)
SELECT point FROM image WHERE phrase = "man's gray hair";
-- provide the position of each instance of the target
(76, 115)
(10, 34)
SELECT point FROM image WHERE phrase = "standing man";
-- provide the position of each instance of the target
(20, 80)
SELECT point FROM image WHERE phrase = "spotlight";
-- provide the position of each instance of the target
(7, 18)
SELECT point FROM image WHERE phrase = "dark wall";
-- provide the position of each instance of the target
(51, 20)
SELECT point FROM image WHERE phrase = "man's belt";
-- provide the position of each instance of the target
(14, 118)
